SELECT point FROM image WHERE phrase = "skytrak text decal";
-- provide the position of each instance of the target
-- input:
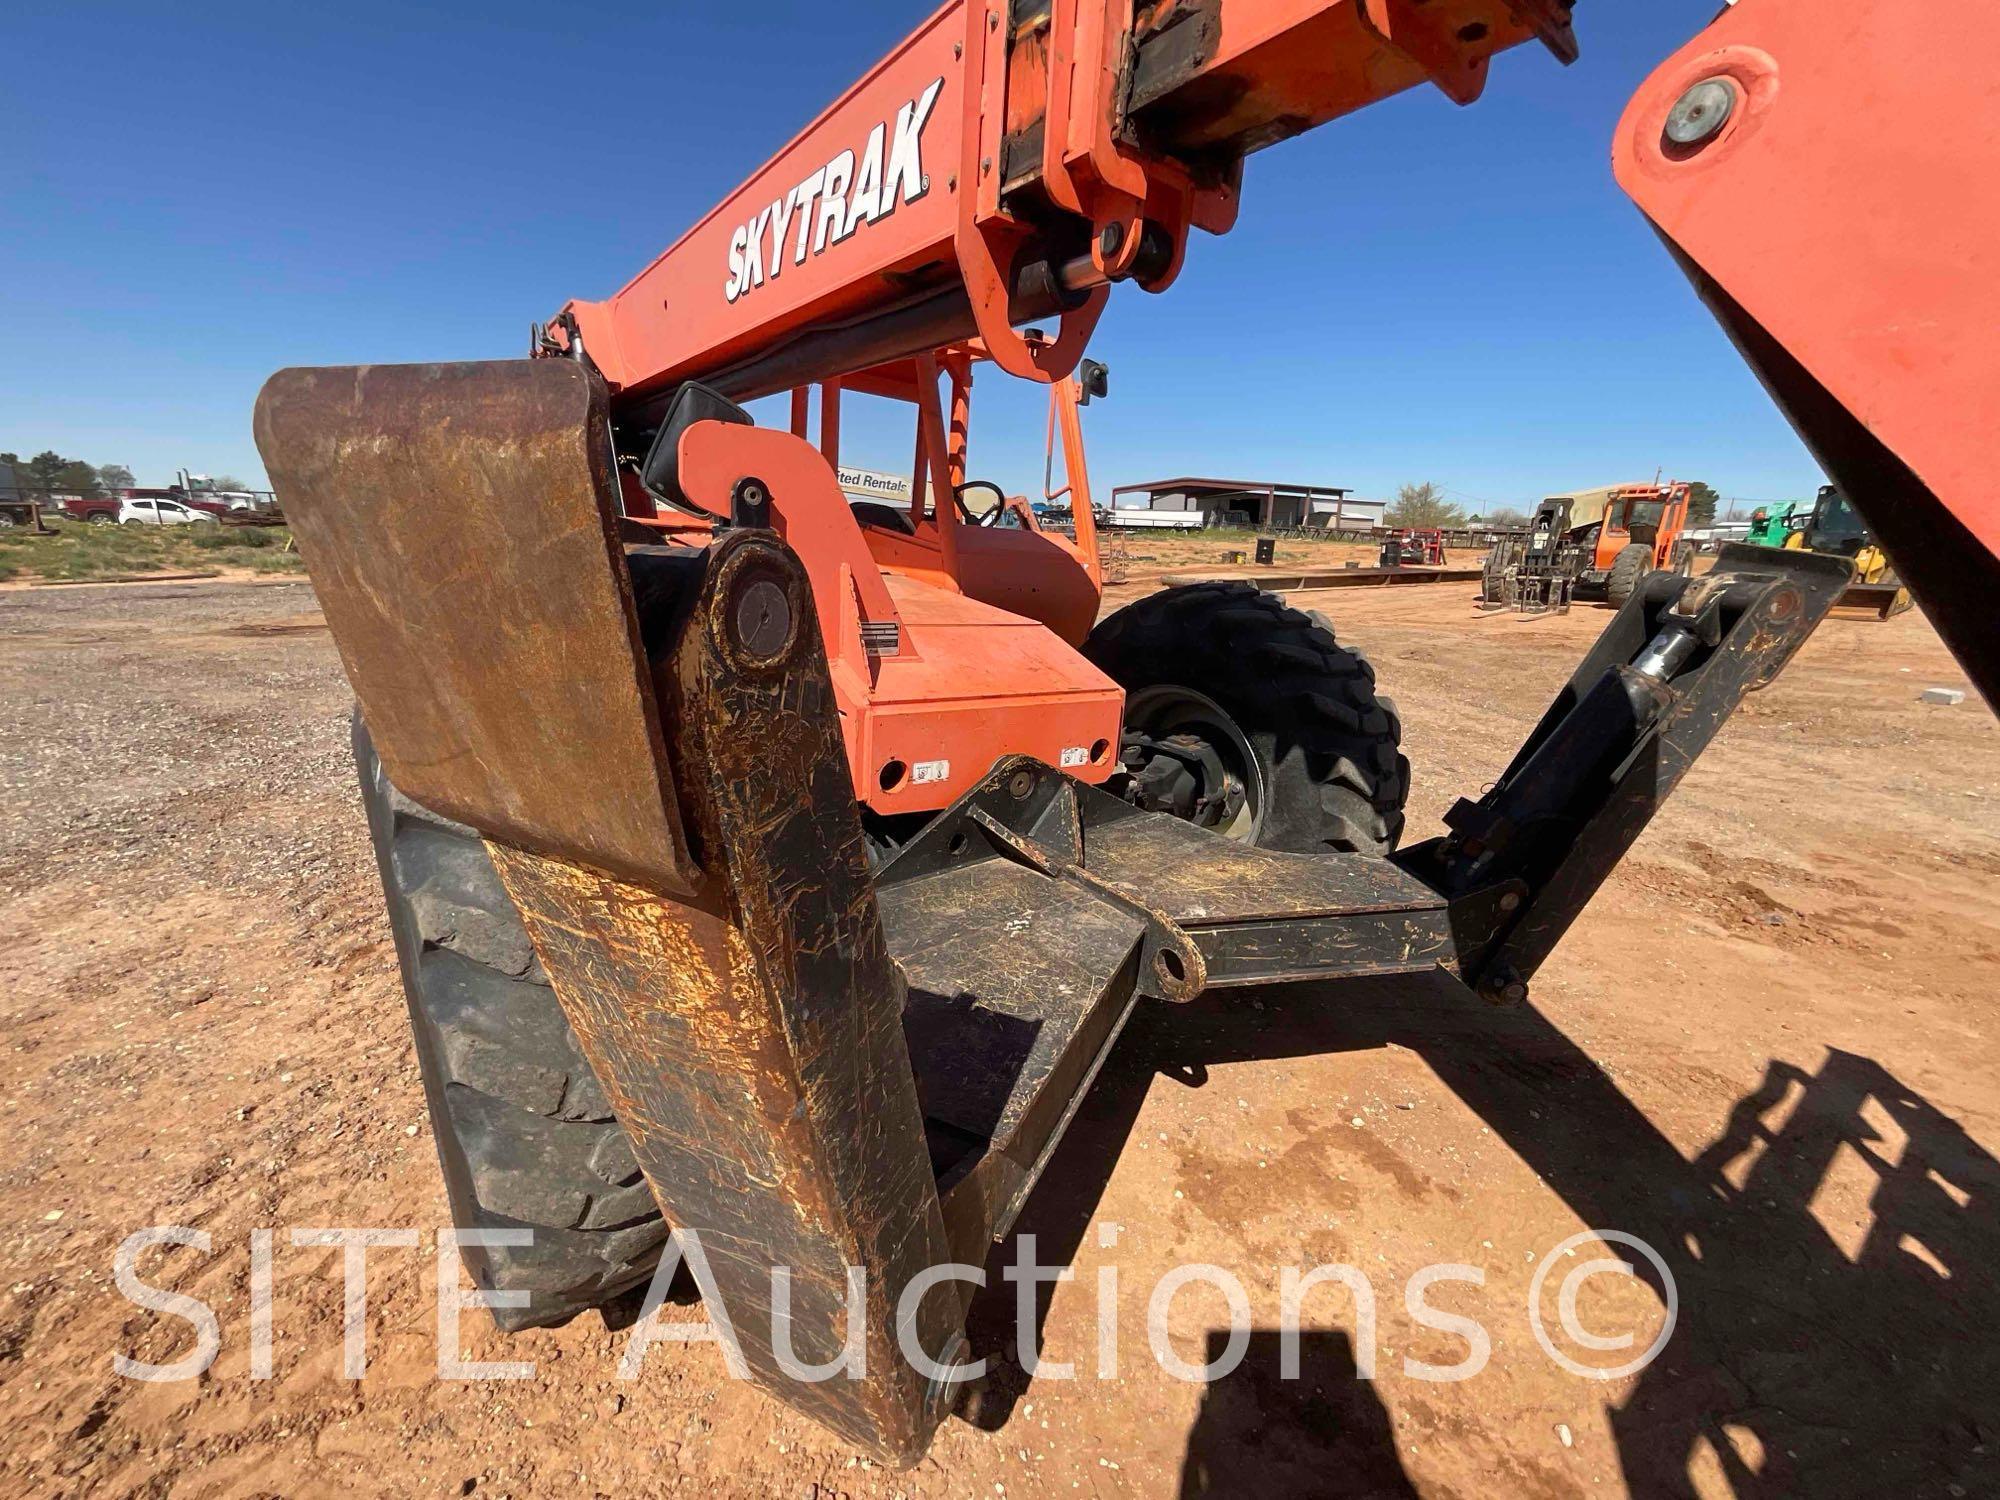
(836, 200)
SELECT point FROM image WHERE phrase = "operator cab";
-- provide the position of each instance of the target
(1835, 525)
(1640, 519)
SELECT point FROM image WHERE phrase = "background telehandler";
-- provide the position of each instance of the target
(1553, 562)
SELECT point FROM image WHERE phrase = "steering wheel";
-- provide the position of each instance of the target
(992, 516)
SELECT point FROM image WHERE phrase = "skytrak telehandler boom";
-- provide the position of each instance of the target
(847, 847)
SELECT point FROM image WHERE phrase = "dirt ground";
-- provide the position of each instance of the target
(1766, 1050)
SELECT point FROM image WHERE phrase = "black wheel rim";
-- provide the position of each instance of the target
(1167, 709)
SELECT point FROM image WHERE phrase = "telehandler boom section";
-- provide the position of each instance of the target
(845, 840)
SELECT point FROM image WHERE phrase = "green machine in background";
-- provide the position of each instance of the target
(1831, 524)
(1769, 525)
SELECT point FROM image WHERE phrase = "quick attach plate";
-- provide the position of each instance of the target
(1029, 918)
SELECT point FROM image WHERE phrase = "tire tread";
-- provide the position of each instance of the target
(524, 1133)
(1308, 703)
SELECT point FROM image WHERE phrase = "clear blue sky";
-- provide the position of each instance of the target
(194, 196)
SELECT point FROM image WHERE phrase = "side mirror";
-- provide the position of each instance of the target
(1094, 378)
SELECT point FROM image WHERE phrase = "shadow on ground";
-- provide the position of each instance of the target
(1800, 1364)
(1323, 1433)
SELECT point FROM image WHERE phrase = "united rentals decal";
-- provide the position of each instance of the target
(835, 200)
(872, 484)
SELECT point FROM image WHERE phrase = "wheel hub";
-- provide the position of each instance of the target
(1183, 775)
(1184, 755)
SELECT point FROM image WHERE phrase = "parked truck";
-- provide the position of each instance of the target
(96, 510)
(17, 513)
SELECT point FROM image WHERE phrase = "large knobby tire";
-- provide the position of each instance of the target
(1334, 777)
(523, 1131)
(1633, 562)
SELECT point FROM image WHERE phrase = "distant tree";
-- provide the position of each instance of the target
(1423, 505)
(44, 471)
(1702, 501)
(78, 478)
(49, 473)
(229, 482)
(116, 477)
(1506, 518)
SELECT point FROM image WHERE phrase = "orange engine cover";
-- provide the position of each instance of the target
(972, 683)
(1031, 573)
(962, 682)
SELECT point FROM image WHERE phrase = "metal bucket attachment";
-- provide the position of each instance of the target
(1883, 600)
(602, 722)
(458, 525)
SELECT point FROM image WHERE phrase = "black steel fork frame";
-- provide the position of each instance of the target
(1520, 863)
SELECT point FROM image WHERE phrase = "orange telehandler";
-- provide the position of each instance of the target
(785, 874)
(1638, 533)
